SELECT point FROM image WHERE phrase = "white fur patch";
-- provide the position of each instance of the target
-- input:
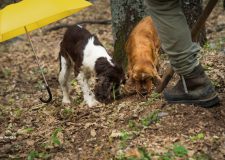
(92, 52)
(143, 76)
(63, 79)
(63, 64)
(79, 26)
(89, 97)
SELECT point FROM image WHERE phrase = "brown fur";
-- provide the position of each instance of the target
(142, 49)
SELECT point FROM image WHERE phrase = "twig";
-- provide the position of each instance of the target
(105, 22)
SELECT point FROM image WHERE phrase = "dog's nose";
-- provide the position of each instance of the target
(144, 92)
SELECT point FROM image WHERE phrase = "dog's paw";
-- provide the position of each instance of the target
(66, 101)
(128, 89)
(92, 103)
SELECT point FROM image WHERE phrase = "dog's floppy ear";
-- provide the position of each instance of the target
(103, 81)
(102, 66)
(156, 77)
(102, 89)
(100, 79)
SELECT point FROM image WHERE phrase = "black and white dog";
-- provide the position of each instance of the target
(83, 51)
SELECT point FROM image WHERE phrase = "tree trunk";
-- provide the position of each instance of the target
(125, 15)
(192, 10)
(223, 4)
(4, 3)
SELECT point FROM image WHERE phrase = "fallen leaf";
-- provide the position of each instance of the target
(133, 153)
(30, 142)
(93, 133)
(115, 134)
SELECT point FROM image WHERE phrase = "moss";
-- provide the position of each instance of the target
(119, 52)
(125, 15)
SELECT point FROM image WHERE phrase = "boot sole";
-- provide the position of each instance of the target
(206, 103)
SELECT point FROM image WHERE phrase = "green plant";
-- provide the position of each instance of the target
(35, 154)
(207, 66)
(29, 130)
(25, 130)
(179, 151)
(114, 92)
(44, 70)
(45, 145)
(166, 156)
(73, 82)
(11, 101)
(54, 138)
(32, 155)
(37, 70)
(216, 83)
(153, 97)
(219, 43)
(39, 84)
(6, 72)
(121, 156)
(145, 155)
(199, 136)
(17, 112)
(67, 112)
(133, 125)
(208, 47)
(124, 137)
(78, 100)
(151, 118)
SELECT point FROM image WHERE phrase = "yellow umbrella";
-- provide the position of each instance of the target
(33, 14)
(28, 15)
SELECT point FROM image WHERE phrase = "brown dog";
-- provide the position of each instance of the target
(142, 49)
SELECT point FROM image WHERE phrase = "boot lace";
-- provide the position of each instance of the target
(184, 84)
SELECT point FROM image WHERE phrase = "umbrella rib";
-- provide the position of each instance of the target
(35, 55)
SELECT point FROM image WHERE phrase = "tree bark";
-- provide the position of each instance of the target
(125, 15)
(4, 3)
(223, 4)
(192, 10)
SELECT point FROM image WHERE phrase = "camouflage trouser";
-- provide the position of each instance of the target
(174, 34)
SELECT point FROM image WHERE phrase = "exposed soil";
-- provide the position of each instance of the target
(53, 131)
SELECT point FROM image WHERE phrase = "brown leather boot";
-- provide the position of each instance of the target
(193, 89)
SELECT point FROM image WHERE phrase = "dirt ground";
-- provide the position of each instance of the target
(134, 125)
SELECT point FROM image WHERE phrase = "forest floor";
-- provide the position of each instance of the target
(131, 126)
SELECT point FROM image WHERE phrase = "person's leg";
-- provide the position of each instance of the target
(174, 34)
(176, 41)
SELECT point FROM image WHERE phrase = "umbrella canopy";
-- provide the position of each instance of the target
(28, 15)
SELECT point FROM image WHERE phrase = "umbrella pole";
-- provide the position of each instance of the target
(42, 73)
